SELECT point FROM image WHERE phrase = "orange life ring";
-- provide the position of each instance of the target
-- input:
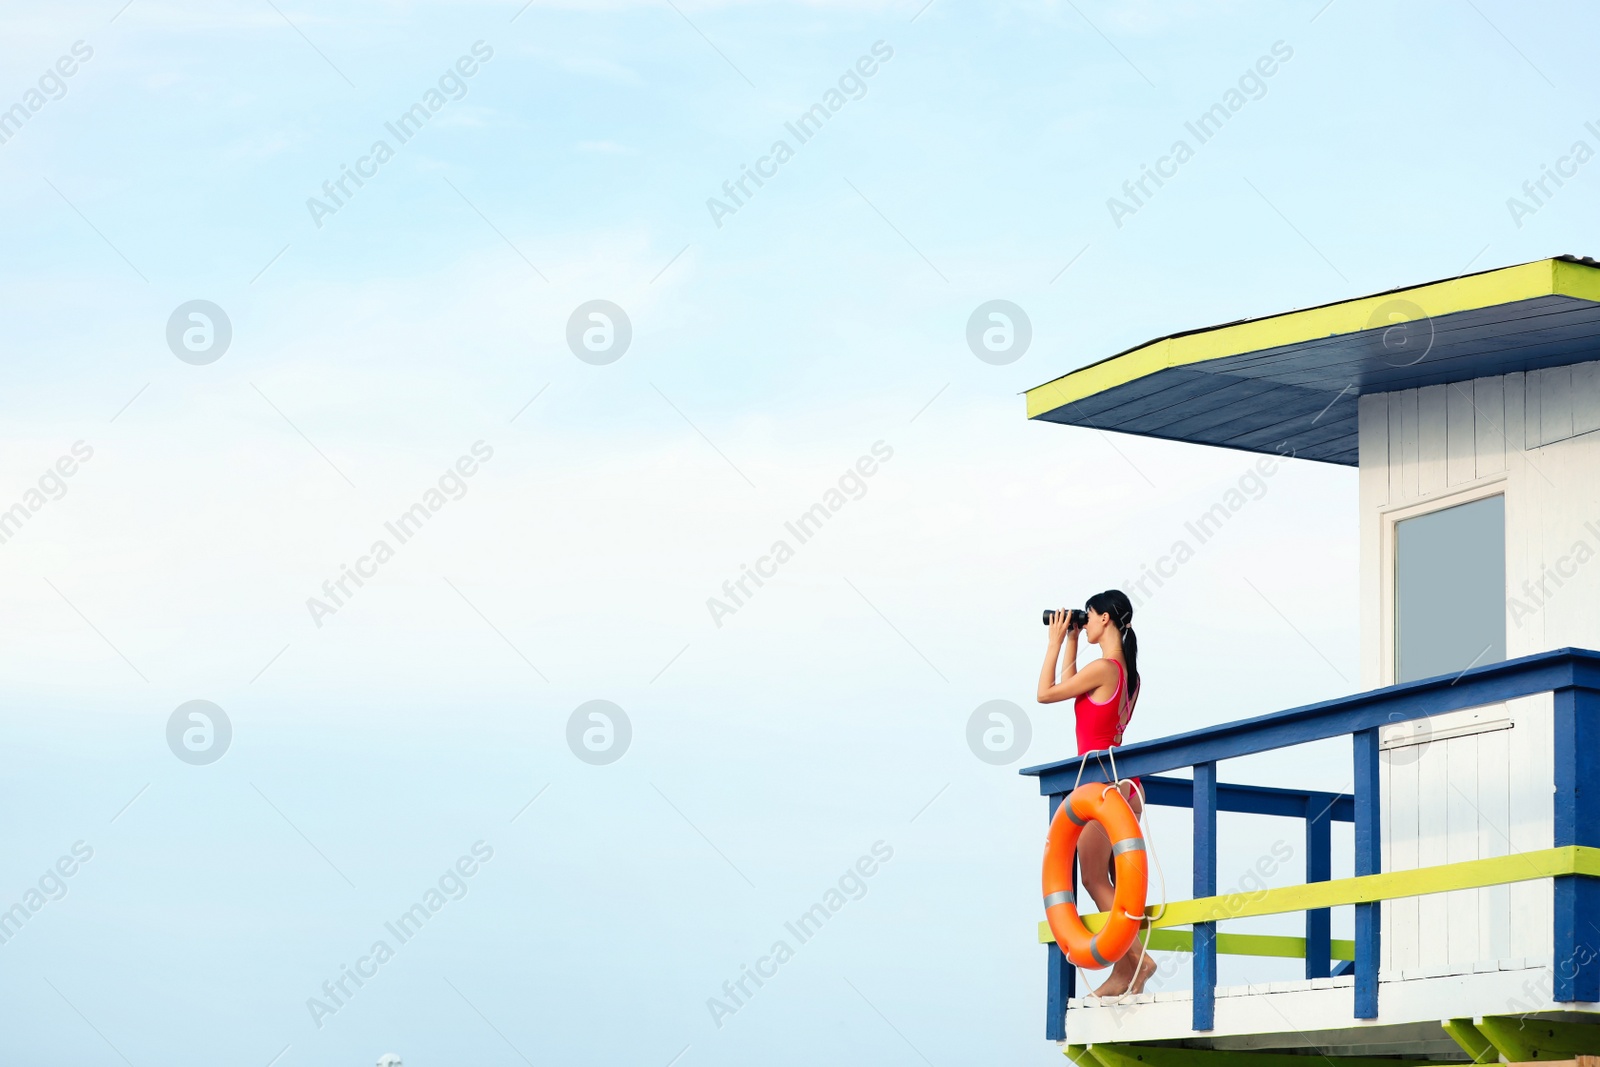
(1105, 805)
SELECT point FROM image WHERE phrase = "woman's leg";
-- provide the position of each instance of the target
(1141, 968)
(1094, 868)
(1135, 968)
(1094, 865)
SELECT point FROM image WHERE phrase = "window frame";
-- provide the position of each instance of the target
(1391, 517)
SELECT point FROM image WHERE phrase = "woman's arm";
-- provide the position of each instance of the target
(1073, 681)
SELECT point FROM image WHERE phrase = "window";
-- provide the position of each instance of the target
(1450, 589)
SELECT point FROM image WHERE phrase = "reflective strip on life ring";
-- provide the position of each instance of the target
(1107, 806)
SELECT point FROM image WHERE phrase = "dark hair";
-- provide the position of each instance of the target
(1115, 602)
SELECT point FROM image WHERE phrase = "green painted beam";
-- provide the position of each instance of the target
(1168, 1056)
(1474, 1044)
(1503, 1035)
(1282, 947)
(1521, 1039)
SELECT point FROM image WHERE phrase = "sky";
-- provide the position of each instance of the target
(415, 345)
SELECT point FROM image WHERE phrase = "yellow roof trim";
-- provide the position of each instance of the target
(1527, 281)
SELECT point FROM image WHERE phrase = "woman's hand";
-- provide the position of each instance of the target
(1061, 626)
(1073, 681)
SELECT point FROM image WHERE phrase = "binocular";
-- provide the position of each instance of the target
(1077, 618)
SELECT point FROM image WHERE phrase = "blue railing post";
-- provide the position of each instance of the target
(1205, 885)
(1369, 860)
(1061, 985)
(1577, 822)
(1319, 868)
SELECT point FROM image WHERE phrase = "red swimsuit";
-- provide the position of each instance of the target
(1100, 725)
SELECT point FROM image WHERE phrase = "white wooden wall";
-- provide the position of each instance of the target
(1465, 798)
(1532, 436)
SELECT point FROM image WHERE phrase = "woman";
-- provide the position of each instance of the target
(1105, 690)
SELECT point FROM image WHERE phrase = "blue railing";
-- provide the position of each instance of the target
(1319, 810)
(1571, 674)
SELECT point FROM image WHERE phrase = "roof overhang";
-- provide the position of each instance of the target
(1289, 383)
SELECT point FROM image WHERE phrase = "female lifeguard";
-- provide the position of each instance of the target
(1106, 690)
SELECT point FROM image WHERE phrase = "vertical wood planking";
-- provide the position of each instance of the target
(1400, 919)
(1523, 799)
(1486, 795)
(1555, 404)
(1489, 417)
(1530, 815)
(1532, 420)
(1372, 421)
(1433, 930)
(1568, 519)
(1397, 491)
(1585, 398)
(1522, 637)
(1556, 521)
(1431, 439)
(1483, 795)
(1372, 428)
(1386, 851)
(1514, 385)
(1544, 772)
(1460, 434)
(1461, 843)
(1494, 785)
(1538, 487)
(1583, 459)
(1404, 404)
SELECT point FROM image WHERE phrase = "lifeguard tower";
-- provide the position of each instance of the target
(1472, 409)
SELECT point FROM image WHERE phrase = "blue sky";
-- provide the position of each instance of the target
(768, 354)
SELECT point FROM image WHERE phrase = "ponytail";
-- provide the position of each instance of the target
(1130, 652)
(1115, 602)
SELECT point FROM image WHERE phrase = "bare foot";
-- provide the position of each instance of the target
(1114, 986)
(1147, 970)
